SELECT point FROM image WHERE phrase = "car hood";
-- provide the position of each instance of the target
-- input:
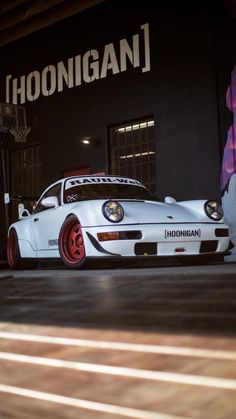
(143, 212)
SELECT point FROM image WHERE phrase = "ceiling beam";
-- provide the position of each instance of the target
(40, 16)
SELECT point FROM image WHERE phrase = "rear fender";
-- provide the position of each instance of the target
(25, 238)
(26, 250)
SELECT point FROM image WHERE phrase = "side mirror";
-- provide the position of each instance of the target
(22, 212)
(50, 202)
(170, 200)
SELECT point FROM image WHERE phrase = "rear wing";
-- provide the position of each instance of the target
(19, 198)
(22, 211)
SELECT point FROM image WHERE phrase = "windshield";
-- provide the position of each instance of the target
(84, 192)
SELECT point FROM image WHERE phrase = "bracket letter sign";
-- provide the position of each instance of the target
(87, 68)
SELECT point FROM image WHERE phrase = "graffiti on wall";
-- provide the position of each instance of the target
(228, 174)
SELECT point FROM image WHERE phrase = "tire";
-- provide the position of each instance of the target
(13, 253)
(71, 243)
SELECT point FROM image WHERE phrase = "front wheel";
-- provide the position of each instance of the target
(71, 243)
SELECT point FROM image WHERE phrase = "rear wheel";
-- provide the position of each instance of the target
(71, 243)
(13, 253)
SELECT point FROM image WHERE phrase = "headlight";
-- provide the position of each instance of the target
(113, 211)
(213, 210)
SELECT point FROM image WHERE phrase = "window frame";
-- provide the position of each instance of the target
(47, 194)
(132, 151)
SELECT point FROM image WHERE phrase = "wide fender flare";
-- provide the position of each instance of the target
(25, 238)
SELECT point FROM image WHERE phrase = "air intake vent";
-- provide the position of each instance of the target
(208, 246)
(145, 249)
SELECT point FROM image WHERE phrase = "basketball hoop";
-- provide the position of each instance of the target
(20, 133)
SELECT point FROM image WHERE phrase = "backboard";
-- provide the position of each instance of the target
(13, 119)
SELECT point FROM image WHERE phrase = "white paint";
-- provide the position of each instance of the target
(85, 404)
(147, 66)
(87, 68)
(126, 51)
(109, 61)
(33, 86)
(78, 70)
(65, 75)
(49, 80)
(17, 90)
(197, 380)
(123, 346)
(91, 66)
(8, 78)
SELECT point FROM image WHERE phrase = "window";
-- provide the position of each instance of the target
(105, 191)
(133, 152)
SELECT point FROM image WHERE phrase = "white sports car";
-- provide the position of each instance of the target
(114, 218)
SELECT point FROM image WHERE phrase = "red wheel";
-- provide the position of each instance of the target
(71, 243)
(14, 259)
(12, 249)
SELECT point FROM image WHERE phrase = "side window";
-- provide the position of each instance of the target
(54, 191)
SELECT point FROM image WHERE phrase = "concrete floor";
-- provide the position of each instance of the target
(141, 343)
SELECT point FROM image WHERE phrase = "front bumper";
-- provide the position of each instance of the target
(159, 240)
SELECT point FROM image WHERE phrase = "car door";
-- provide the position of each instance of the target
(46, 222)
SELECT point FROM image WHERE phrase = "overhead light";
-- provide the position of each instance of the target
(144, 153)
(134, 127)
(86, 140)
(94, 142)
